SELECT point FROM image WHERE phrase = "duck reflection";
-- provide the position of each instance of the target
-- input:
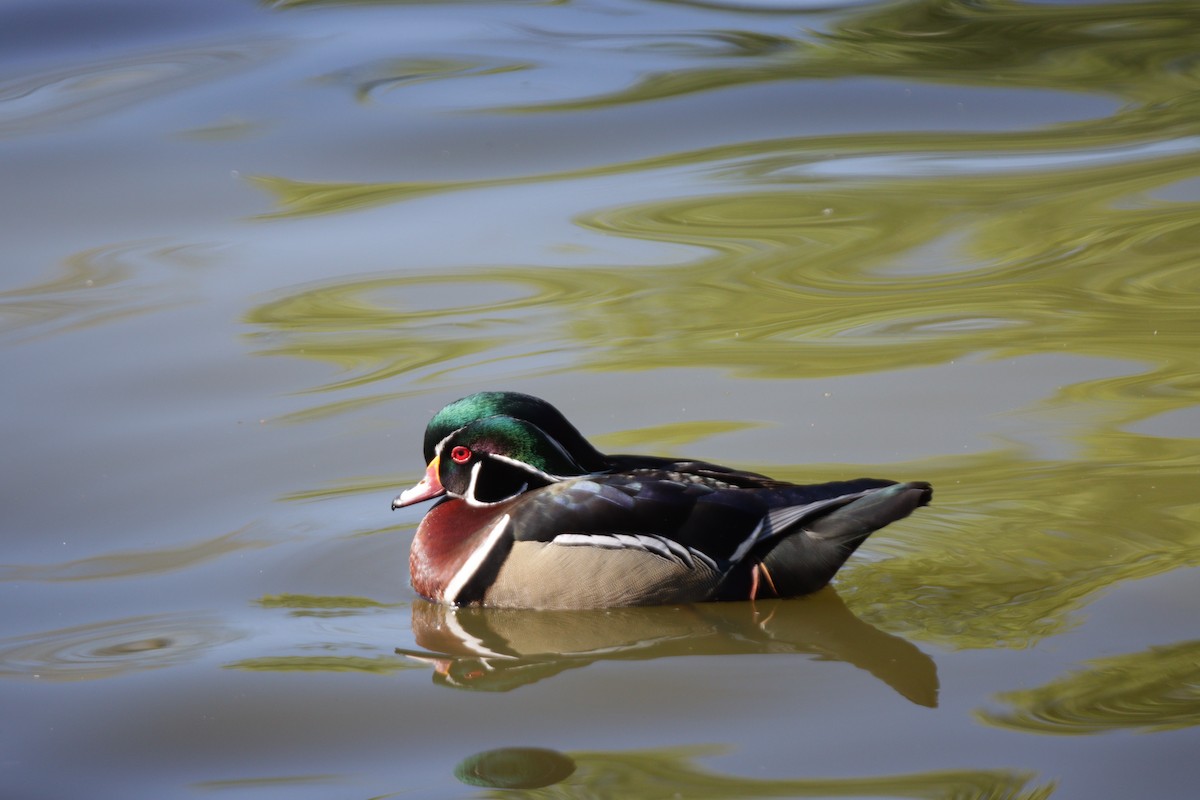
(499, 650)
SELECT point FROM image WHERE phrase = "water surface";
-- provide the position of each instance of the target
(252, 247)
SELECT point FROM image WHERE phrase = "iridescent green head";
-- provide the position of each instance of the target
(517, 406)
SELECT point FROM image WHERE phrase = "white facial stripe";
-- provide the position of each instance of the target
(475, 560)
(527, 467)
(437, 450)
(470, 496)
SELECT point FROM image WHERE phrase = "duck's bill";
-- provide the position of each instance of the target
(429, 488)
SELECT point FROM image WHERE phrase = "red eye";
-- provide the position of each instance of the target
(460, 454)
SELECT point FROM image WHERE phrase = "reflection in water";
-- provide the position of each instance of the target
(125, 565)
(647, 774)
(515, 768)
(1139, 51)
(227, 129)
(669, 436)
(807, 271)
(98, 286)
(109, 649)
(325, 655)
(502, 649)
(391, 73)
(57, 100)
(308, 605)
(1154, 690)
(1024, 543)
(376, 665)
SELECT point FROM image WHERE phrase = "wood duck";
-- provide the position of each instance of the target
(533, 516)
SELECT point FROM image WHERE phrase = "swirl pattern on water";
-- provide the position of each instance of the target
(808, 273)
(136, 563)
(1154, 690)
(111, 648)
(98, 286)
(378, 76)
(55, 100)
(1139, 51)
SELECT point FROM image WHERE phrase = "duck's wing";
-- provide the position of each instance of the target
(814, 547)
(647, 537)
(743, 479)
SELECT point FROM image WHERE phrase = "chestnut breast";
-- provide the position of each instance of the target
(445, 539)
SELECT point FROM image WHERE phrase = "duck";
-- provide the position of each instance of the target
(531, 515)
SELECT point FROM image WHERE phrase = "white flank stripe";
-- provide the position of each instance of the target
(475, 560)
(658, 545)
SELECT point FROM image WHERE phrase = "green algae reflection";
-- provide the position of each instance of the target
(1136, 50)
(1013, 547)
(671, 772)
(810, 280)
(1155, 690)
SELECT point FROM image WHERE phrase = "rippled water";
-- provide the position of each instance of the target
(250, 248)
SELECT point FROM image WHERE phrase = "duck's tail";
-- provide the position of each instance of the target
(806, 560)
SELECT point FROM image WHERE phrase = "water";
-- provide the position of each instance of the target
(251, 248)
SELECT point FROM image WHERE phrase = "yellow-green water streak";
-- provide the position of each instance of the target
(1154, 690)
(668, 772)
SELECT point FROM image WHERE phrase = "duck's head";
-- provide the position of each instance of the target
(491, 460)
(534, 410)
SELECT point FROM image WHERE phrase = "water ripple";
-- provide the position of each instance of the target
(384, 74)
(1155, 690)
(1143, 52)
(66, 97)
(137, 563)
(111, 648)
(100, 285)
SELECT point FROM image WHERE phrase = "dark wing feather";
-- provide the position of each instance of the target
(701, 514)
(727, 476)
(667, 514)
(803, 563)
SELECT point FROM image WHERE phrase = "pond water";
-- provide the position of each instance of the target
(250, 248)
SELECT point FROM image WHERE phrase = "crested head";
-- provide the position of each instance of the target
(517, 406)
(497, 458)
